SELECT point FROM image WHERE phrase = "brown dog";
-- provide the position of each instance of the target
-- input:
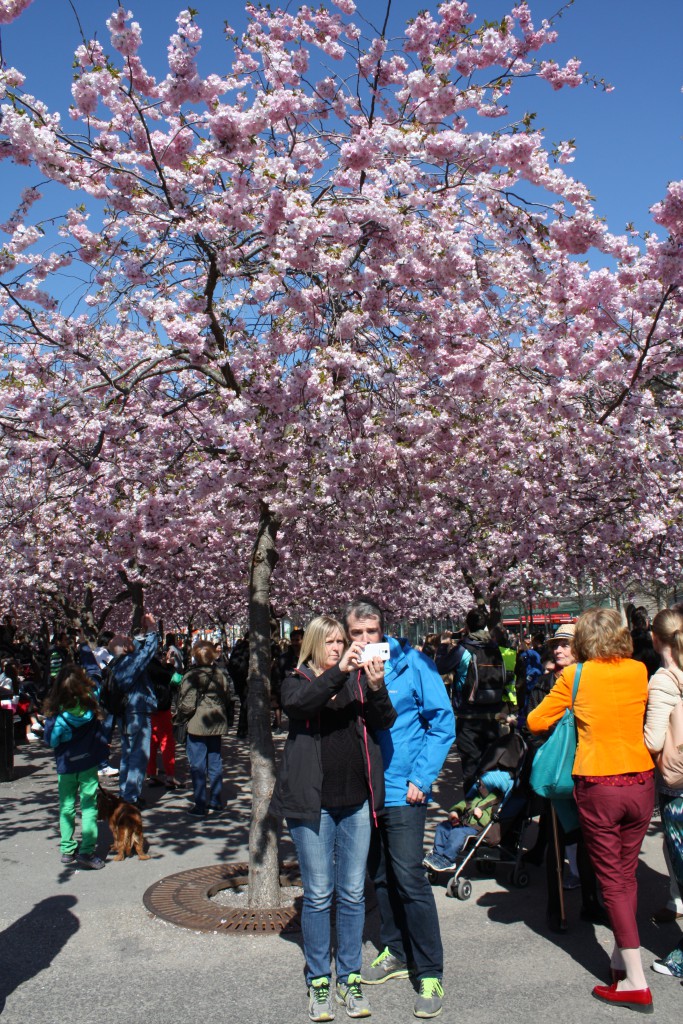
(125, 822)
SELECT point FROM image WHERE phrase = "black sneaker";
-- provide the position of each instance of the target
(68, 858)
(90, 861)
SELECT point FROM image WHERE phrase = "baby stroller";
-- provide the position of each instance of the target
(502, 840)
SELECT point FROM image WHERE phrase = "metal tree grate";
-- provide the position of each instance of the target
(184, 899)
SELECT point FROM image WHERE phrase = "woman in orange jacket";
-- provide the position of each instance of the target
(614, 781)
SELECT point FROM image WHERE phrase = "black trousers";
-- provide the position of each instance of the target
(472, 737)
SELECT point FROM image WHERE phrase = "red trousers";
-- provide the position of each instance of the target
(614, 820)
(162, 739)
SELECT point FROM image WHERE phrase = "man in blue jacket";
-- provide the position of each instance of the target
(129, 671)
(413, 751)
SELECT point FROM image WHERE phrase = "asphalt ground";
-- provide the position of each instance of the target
(79, 946)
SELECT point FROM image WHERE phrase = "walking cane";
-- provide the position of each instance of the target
(560, 867)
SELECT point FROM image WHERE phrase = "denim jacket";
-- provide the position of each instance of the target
(130, 672)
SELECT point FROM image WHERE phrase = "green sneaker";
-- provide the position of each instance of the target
(384, 967)
(429, 1002)
(319, 1002)
(350, 994)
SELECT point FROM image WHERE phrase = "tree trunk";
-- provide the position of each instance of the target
(88, 616)
(495, 611)
(137, 596)
(264, 874)
(187, 646)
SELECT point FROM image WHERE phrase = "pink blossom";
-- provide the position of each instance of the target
(559, 77)
(124, 38)
(11, 9)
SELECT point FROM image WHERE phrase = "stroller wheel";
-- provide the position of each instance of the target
(520, 878)
(461, 888)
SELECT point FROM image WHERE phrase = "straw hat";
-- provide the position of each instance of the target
(564, 632)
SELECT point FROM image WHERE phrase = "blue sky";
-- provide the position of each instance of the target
(628, 141)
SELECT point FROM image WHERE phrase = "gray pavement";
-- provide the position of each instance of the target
(79, 946)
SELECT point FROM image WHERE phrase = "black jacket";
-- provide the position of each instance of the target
(299, 783)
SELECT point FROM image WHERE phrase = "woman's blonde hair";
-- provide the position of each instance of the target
(668, 628)
(313, 644)
(600, 633)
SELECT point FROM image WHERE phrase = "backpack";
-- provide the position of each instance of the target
(486, 674)
(112, 698)
(88, 747)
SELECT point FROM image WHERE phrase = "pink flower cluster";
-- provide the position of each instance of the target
(355, 312)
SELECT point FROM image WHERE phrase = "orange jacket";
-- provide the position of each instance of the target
(609, 710)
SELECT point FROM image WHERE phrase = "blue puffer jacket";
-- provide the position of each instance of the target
(416, 746)
(130, 672)
(77, 740)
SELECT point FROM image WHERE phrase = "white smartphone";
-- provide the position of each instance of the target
(374, 651)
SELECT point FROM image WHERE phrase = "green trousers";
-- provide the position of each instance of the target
(83, 784)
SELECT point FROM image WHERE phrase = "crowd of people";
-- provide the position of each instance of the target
(370, 723)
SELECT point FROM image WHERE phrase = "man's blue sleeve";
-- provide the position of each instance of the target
(129, 667)
(437, 713)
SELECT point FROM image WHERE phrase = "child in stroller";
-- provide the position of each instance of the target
(500, 841)
(468, 818)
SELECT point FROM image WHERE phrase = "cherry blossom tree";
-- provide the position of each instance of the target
(333, 307)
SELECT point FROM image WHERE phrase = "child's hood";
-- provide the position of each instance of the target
(77, 716)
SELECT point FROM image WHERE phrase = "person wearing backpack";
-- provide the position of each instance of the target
(128, 673)
(205, 704)
(74, 731)
(478, 690)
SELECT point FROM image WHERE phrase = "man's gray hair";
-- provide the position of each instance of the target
(363, 608)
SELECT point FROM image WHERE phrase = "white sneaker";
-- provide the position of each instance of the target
(109, 772)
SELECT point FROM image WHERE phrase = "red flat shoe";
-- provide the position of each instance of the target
(639, 999)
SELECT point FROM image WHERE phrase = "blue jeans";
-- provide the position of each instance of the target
(449, 840)
(136, 736)
(107, 730)
(204, 756)
(409, 924)
(332, 856)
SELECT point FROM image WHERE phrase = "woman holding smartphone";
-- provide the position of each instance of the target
(329, 789)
